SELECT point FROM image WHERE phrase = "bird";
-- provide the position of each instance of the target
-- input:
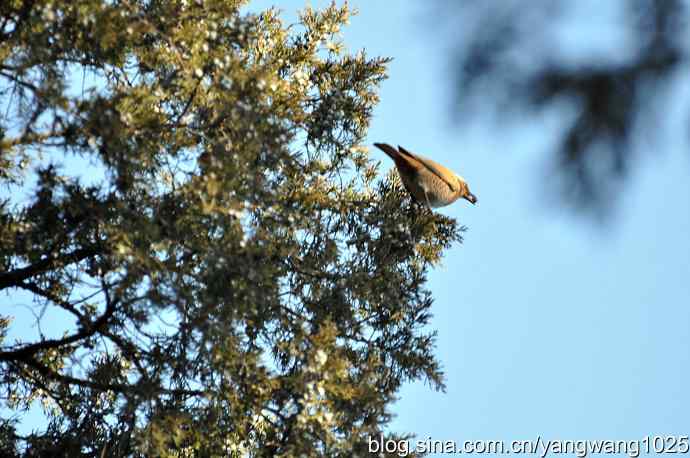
(429, 182)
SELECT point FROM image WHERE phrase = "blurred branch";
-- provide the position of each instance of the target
(508, 64)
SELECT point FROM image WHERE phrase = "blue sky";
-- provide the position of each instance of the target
(548, 324)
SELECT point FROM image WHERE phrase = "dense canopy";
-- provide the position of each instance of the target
(188, 209)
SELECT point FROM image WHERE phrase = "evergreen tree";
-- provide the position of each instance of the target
(185, 190)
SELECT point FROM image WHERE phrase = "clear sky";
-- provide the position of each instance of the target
(548, 324)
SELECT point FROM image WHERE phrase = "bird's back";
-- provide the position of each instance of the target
(427, 181)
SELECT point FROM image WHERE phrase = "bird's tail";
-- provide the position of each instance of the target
(404, 163)
(388, 149)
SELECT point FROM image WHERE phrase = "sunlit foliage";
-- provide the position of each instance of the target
(185, 186)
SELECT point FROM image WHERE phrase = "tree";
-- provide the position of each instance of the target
(607, 99)
(231, 275)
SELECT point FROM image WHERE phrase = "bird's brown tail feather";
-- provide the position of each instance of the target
(388, 149)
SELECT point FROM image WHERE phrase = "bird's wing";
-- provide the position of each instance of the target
(437, 169)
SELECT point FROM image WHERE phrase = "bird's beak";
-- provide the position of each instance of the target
(471, 198)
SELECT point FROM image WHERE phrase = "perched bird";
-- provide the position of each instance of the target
(429, 182)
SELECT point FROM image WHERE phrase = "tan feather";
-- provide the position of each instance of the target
(447, 175)
(427, 181)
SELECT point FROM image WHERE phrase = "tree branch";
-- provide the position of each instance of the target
(32, 287)
(116, 387)
(19, 81)
(14, 278)
(26, 352)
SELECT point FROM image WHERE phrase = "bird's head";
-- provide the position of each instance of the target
(464, 190)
